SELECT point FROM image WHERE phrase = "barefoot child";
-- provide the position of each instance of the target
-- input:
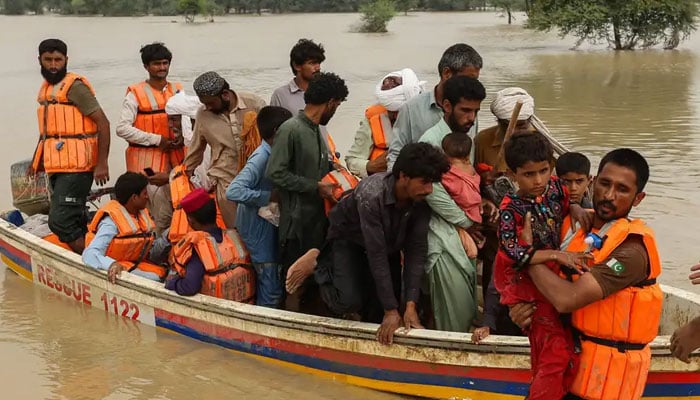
(538, 207)
(462, 184)
(574, 171)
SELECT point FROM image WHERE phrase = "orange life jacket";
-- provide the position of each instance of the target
(332, 149)
(250, 138)
(133, 241)
(379, 123)
(180, 187)
(346, 182)
(228, 271)
(616, 330)
(68, 139)
(151, 117)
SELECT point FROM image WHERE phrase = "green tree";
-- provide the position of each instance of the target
(508, 7)
(13, 7)
(624, 24)
(190, 8)
(376, 15)
(405, 5)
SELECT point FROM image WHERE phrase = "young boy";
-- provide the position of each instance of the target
(251, 190)
(462, 184)
(574, 171)
(540, 205)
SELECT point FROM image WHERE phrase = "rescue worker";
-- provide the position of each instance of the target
(219, 124)
(121, 234)
(73, 143)
(305, 60)
(143, 123)
(367, 155)
(209, 260)
(621, 285)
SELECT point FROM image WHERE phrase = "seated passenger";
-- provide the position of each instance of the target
(359, 269)
(367, 155)
(574, 171)
(122, 232)
(252, 190)
(209, 260)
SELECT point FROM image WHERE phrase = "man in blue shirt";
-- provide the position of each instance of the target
(252, 190)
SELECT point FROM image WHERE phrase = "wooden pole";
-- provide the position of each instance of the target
(500, 165)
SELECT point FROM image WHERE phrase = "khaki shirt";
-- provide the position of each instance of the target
(223, 134)
(487, 144)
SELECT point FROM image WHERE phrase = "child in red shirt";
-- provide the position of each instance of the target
(541, 198)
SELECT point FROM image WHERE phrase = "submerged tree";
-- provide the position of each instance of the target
(508, 7)
(376, 14)
(624, 24)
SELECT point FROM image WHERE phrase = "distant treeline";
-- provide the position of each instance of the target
(221, 7)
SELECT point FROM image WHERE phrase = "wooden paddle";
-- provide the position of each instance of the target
(501, 164)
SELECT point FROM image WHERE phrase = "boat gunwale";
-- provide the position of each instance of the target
(305, 322)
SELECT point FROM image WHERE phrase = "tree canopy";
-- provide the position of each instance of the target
(624, 24)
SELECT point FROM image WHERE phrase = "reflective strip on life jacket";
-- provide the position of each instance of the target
(151, 118)
(134, 237)
(228, 275)
(345, 181)
(68, 139)
(381, 129)
(615, 331)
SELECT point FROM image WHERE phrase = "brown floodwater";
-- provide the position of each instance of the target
(592, 99)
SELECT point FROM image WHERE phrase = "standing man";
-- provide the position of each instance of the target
(305, 61)
(451, 274)
(424, 111)
(73, 143)
(367, 155)
(621, 286)
(143, 122)
(298, 161)
(219, 125)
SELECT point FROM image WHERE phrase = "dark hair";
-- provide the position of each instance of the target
(129, 184)
(457, 145)
(305, 50)
(206, 214)
(573, 162)
(631, 159)
(459, 56)
(463, 87)
(421, 160)
(51, 45)
(154, 52)
(270, 118)
(524, 147)
(324, 87)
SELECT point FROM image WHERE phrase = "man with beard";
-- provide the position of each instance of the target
(73, 144)
(621, 285)
(425, 110)
(219, 125)
(451, 274)
(360, 267)
(305, 60)
(298, 162)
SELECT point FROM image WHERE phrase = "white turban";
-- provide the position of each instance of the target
(394, 98)
(502, 106)
(187, 106)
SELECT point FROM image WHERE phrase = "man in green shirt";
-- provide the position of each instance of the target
(298, 161)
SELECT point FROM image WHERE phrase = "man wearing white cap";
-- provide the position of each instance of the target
(369, 150)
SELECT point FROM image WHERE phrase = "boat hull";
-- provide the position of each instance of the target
(420, 363)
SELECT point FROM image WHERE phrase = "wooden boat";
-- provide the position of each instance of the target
(420, 363)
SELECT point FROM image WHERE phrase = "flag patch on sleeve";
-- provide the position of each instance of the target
(616, 266)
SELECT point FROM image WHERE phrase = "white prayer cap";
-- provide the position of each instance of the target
(502, 106)
(394, 98)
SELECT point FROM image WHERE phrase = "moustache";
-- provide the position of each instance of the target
(608, 204)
